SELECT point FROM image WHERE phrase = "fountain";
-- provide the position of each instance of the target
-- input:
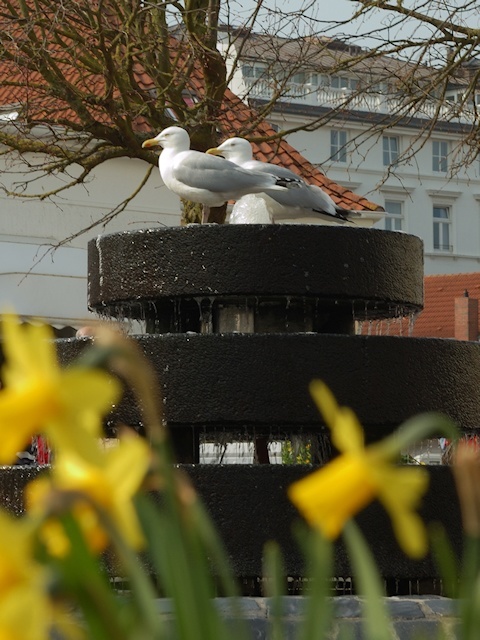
(239, 319)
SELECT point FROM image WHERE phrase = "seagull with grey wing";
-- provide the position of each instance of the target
(307, 199)
(207, 179)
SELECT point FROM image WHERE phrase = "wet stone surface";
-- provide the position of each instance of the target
(412, 617)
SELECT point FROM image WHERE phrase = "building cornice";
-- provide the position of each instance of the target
(362, 117)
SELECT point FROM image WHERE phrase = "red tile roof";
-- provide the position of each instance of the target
(26, 87)
(437, 320)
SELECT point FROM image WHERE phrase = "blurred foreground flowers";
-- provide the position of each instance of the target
(66, 405)
(332, 495)
(53, 575)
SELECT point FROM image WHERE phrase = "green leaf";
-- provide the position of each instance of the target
(86, 582)
(469, 595)
(274, 587)
(377, 622)
(318, 553)
(445, 558)
(181, 567)
(419, 428)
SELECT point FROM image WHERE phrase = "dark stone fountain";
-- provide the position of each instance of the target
(240, 319)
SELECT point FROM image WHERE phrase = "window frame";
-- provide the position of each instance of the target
(440, 153)
(392, 219)
(338, 149)
(389, 155)
(442, 229)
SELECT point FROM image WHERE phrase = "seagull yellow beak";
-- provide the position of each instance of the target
(152, 142)
(214, 151)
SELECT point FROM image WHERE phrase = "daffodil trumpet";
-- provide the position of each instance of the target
(332, 495)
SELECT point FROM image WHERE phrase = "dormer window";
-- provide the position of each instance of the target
(254, 70)
(343, 82)
(306, 78)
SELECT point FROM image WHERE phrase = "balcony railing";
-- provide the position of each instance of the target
(374, 103)
(446, 248)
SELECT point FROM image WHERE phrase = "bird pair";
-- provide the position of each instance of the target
(212, 180)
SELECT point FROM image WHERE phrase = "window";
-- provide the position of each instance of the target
(380, 87)
(394, 215)
(441, 229)
(343, 82)
(299, 77)
(440, 155)
(254, 70)
(390, 150)
(338, 145)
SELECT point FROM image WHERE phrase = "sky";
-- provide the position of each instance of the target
(333, 17)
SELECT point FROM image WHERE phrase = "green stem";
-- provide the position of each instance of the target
(377, 622)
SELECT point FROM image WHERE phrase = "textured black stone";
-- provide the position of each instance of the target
(342, 265)
(260, 381)
(249, 506)
(13, 481)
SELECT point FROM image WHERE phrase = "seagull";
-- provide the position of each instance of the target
(309, 199)
(206, 179)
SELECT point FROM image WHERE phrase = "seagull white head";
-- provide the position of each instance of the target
(237, 150)
(170, 138)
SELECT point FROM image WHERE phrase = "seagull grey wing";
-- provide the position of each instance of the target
(203, 171)
(322, 199)
(274, 169)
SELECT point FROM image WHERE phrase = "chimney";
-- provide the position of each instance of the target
(466, 317)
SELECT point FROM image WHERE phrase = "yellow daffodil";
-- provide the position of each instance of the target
(39, 396)
(109, 481)
(335, 493)
(25, 609)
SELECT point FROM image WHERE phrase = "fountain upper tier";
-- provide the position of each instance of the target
(255, 278)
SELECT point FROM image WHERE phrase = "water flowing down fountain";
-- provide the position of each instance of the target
(239, 319)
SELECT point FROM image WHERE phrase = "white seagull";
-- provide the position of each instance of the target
(309, 199)
(207, 179)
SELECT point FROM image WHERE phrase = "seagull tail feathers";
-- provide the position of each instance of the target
(288, 183)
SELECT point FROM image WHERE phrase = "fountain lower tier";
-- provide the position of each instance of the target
(249, 506)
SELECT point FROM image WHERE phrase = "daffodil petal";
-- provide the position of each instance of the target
(25, 614)
(21, 409)
(24, 345)
(400, 494)
(327, 498)
(39, 397)
(127, 464)
(347, 434)
(89, 390)
(325, 401)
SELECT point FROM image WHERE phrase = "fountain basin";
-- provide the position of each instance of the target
(348, 272)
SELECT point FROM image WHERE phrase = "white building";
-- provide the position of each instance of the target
(418, 192)
(40, 281)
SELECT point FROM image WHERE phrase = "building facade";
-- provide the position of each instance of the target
(372, 140)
